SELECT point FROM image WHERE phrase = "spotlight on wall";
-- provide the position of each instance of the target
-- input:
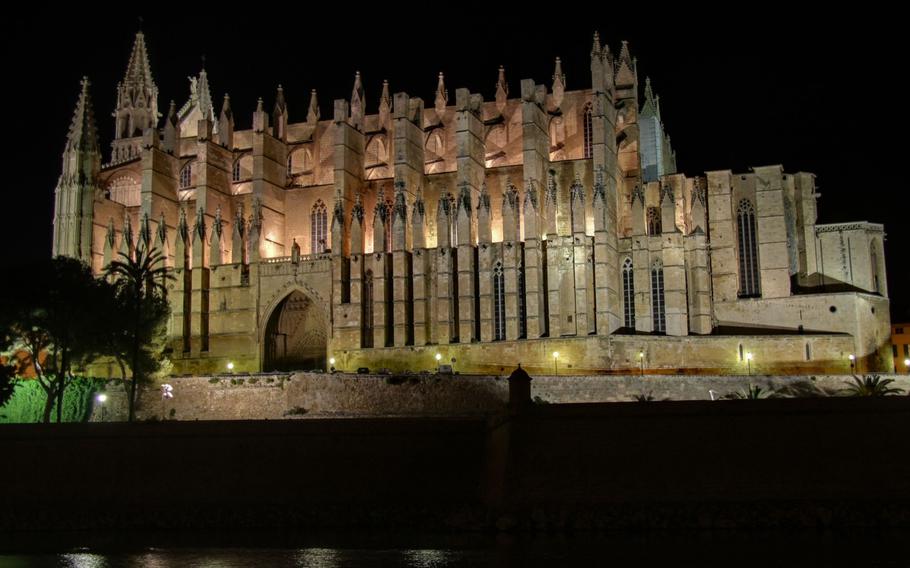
(439, 357)
(102, 398)
(556, 362)
(331, 360)
(230, 366)
(907, 364)
(749, 361)
(852, 358)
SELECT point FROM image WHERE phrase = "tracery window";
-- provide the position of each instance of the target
(589, 131)
(658, 310)
(499, 303)
(186, 176)
(748, 250)
(628, 294)
(654, 224)
(318, 227)
(235, 172)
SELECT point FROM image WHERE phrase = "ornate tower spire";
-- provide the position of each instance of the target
(226, 124)
(442, 95)
(312, 114)
(357, 102)
(502, 89)
(137, 103)
(280, 116)
(171, 130)
(559, 84)
(204, 94)
(385, 106)
(75, 193)
(596, 49)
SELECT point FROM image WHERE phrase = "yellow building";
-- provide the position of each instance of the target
(900, 347)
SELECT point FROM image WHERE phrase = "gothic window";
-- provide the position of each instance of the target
(186, 176)
(235, 172)
(499, 303)
(522, 309)
(435, 144)
(125, 190)
(658, 312)
(290, 165)
(589, 131)
(654, 226)
(628, 294)
(318, 225)
(748, 250)
(876, 282)
(368, 309)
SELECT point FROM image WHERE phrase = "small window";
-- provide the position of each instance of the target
(654, 223)
(186, 176)
(235, 173)
(808, 352)
(499, 303)
(899, 330)
(589, 131)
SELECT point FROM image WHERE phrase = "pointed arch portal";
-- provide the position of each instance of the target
(295, 336)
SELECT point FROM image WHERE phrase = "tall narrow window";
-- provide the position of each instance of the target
(654, 227)
(748, 250)
(186, 176)
(499, 303)
(290, 165)
(235, 172)
(368, 309)
(522, 308)
(658, 313)
(589, 132)
(876, 283)
(318, 225)
(628, 294)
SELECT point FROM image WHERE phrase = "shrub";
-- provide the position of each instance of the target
(296, 411)
(27, 402)
(870, 385)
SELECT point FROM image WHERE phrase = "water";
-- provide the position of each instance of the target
(688, 549)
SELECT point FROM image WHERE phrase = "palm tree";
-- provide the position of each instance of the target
(870, 385)
(142, 279)
(752, 393)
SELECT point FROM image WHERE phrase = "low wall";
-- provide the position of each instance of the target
(315, 395)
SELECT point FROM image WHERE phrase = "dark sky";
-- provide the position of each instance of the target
(812, 95)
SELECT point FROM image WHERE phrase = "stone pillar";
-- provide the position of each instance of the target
(558, 263)
(382, 274)
(512, 267)
(771, 226)
(402, 285)
(701, 308)
(421, 276)
(674, 263)
(446, 276)
(469, 177)
(582, 268)
(199, 328)
(806, 215)
(159, 186)
(269, 179)
(486, 258)
(724, 277)
(604, 151)
(535, 162)
(358, 263)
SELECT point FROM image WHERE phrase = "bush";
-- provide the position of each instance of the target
(296, 411)
(214, 380)
(27, 402)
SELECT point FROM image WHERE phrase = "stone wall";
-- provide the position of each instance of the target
(316, 395)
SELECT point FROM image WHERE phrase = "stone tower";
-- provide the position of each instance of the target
(75, 193)
(137, 104)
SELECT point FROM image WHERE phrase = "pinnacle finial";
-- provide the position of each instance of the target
(596, 48)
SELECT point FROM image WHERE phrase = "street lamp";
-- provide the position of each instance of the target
(438, 357)
(556, 362)
(101, 398)
(852, 358)
(331, 364)
(230, 366)
(749, 361)
(907, 365)
(641, 362)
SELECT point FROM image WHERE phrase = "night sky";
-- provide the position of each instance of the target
(814, 96)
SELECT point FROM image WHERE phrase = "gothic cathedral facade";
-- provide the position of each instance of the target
(550, 229)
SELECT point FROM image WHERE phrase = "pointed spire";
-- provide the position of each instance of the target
(312, 115)
(483, 201)
(204, 94)
(385, 105)
(126, 243)
(559, 84)
(171, 130)
(596, 49)
(137, 99)
(226, 124)
(442, 95)
(280, 116)
(199, 227)
(110, 237)
(357, 102)
(652, 103)
(145, 231)
(577, 191)
(161, 234)
(357, 209)
(83, 134)
(502, 89)
(260, 118)
(183, 230)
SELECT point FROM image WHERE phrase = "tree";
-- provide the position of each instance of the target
(141, 290)
(870, 385)
(49, 307)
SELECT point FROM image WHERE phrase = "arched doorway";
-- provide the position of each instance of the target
(295, 336)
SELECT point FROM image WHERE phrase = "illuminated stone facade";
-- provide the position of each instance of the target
(488, 232)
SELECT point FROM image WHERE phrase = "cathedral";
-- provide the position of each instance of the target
(546, 227)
